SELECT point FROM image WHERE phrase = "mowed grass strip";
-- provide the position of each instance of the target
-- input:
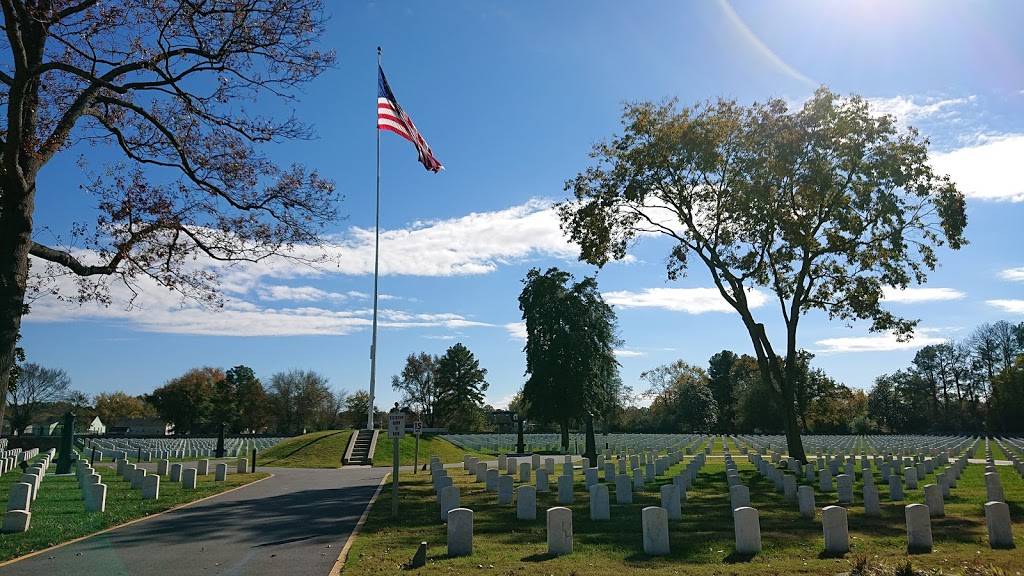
(322, 449)
(429, 446)
(702, 543)
(59, 515)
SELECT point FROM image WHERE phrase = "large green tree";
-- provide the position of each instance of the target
(416, 383)
(188, 400)
(165, 103)
(241, 401)
(723, 388)
(682, 399)
(571, 370)
(113, 407)
(825, 206)
(460, 384)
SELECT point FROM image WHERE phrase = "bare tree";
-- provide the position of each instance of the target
(169, 86)
(36, 387)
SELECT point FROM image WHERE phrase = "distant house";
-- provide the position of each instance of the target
(503, 421)
(96, 426)
(47, 427)
(141, 427)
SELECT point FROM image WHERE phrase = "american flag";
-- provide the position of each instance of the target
(390, 116)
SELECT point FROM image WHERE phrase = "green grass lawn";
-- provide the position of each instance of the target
(429, 446)
(314, 450)
(59, 515)
(702, 543)
(997, 451)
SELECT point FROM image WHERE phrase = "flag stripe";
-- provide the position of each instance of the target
(392, 118)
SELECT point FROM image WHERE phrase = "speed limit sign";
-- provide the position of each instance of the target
(417, 427)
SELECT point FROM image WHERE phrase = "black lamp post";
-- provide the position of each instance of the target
(220, 441)
(520, 444)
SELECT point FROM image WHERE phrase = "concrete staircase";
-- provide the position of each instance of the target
(360, 448)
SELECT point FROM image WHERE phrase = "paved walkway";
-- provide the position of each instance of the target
(294, 523)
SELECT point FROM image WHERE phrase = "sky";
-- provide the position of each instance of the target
(511, 96)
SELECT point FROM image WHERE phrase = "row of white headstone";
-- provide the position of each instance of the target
(18, 517)
(654, 524)
(9, 459)
(149, 449)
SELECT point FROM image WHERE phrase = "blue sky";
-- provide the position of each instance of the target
(511, 96)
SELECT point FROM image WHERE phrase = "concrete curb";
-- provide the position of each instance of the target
(343, 555)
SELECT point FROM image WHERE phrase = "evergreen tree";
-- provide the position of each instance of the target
(460, 384)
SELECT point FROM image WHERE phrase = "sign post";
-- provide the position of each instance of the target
(417, 428)
(396, 429)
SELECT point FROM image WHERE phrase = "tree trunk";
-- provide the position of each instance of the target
(16, 208)
(783, 379)
(565, 435)
(591, 449)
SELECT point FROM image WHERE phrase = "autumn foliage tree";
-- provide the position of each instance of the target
(170, 89)
(825, 206)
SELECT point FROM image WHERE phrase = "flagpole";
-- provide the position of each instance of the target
(376, 272)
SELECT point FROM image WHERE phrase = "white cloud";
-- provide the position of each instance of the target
(156, 309)
(879, 342)
(689, 300)
(629, 353)
(516, 330)
(1013, 274)
(915, 295)
(278, 292)
(476, 243)
(989, 169)
(1013, 306)
(911, 108)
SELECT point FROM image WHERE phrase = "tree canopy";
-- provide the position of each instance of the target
(460, 383)
(416, 383)
(825, 206)
(571, 370)
(174, 93)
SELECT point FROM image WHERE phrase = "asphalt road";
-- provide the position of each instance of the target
(294, 523)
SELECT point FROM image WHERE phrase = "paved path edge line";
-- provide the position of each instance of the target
(129, 523)
(343, 556)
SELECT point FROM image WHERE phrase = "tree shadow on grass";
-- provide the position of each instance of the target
(737, 558)
(539, 557)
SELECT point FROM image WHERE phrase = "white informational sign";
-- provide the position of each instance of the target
(396, 424)
(417, 427)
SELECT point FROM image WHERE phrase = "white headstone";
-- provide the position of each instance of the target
(655, 530)
(559, 522)
(1000, 530)
(805, 499)
(526, 502)
(151, 487)
(565, 486)
(747, 526)
(460, 532)
(670, 501)
(599, 508)
(933, 499)
(739, 496)
(919, 528)
(505, 490)
(836, 530)
(448, 499)
(188, 479)
(623, 490)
